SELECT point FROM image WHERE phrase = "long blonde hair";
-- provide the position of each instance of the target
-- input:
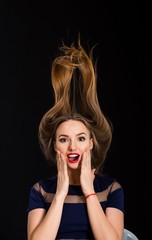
(73, 76)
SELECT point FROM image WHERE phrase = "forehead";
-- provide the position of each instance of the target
(72, 127)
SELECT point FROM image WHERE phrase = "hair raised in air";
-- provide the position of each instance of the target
(73, 76)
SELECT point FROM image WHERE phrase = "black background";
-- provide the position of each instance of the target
(30, 35)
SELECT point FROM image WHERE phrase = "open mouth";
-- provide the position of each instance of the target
(73, 157)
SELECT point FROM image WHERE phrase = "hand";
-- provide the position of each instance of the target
(63, 178)
(87, 174)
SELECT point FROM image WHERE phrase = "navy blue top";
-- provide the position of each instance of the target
(75, 222)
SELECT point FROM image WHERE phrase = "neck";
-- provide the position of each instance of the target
(74, 176)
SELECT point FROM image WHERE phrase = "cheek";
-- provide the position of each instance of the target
(61, 147)
(85, 147)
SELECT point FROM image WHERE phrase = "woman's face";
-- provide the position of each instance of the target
(72, 140)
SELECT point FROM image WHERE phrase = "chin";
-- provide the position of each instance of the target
(74, 165)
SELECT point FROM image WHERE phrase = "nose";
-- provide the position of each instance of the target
(72, 145)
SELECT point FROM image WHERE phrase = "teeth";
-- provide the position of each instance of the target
(73, 155)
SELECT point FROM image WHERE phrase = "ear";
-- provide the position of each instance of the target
(91, 143)
(54, 146)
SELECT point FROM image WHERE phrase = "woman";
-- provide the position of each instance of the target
(78, 202)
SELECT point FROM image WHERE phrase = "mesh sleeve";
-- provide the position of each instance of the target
(36, 199)
(116, 197)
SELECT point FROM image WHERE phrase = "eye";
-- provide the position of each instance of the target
(63, 140)
(81, 139)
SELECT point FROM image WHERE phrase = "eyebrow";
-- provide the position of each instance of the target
(64, 135)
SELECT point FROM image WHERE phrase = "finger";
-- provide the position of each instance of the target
(57, 154)
(62, 163)
(93, 171)
(87, 157)
(59, 160)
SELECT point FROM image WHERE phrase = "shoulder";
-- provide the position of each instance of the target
(103, 182)
(42, 193)
(109, 191)
(46, 185)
